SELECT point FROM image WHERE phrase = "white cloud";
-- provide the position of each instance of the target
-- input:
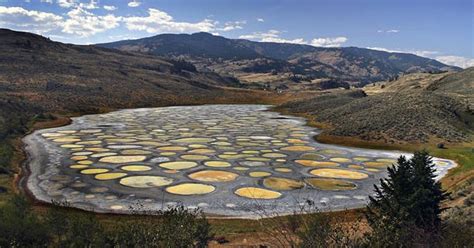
(43, 1)
(388, 31)
(84, 23)
(93, 4)
(159, 21)
(122, 37)
(110, 7)
(459, 61)
(79, 22)
(274, 36)
(134, 4)
(462, 62)
(229, 26)
(67, 3)
(29, 20)
(260, 20)
(422, 53)
(271, 36)
(329, 42)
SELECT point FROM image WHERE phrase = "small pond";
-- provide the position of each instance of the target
(230, 160)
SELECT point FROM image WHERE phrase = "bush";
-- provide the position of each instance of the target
(65, 227)
(174, 227)
(181, 65)
(20, 227)
(73, 228)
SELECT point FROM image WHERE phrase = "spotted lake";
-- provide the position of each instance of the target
(232, 160)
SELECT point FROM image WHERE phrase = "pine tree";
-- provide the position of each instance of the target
(427, 196)
(406, 206)
(387, 213)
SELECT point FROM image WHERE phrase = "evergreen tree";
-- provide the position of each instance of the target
(406, 207)
(425, 204)
(387, 213)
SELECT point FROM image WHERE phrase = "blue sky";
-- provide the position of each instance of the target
(432, 28)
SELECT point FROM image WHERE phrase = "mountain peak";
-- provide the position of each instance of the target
(205, 34)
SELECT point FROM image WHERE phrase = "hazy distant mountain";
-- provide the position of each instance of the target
(280, 62)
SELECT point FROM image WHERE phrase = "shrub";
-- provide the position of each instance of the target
(74, 229)
(174, 227)
(20, 227)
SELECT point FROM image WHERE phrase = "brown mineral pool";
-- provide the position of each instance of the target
(298, 148)
(213, 176)
(338, 173)
(190, 189)
(136, 168)
(93, 171)
(193, 140)
(313, 163)
(135, 152)
(377, 164)
(330, 184)
(194, 157)
(172, 148)
(110, 176)
(122, 159)
(259, 174)
(78, 166)
(279, 183)
(257, 193)
(178, 165)
(217, 164)
(341, 160)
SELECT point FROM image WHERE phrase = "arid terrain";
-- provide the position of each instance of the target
(358, 97)
(413, 108)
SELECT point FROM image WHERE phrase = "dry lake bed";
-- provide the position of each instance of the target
(230, 160)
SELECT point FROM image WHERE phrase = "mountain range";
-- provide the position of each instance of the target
(38, 76)
(280, 64)
(57, 76)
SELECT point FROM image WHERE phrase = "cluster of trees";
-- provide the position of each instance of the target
(404, 212)
(15, 118)
(181, 65)
(20, 226)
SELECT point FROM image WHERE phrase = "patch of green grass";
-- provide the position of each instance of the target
(6, 154)
(463, 155)
(222, 227)
(5, 182)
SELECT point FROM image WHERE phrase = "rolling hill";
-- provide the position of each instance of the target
(278, 62)
(416, 108)
(40, 76)
(62, 76)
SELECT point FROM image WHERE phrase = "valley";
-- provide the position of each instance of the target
(356, 97)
